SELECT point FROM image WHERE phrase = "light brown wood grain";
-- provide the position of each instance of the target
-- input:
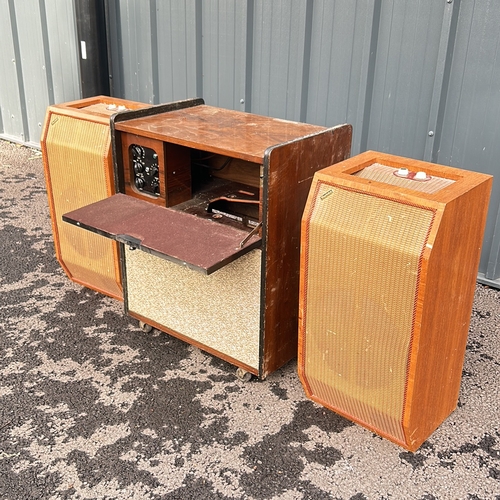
(445, 285)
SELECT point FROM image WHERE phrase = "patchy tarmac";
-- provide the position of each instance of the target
(91, 407)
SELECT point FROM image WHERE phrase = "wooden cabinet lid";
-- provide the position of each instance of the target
(201, 244)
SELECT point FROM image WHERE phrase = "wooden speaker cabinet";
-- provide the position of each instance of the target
(390, 252)
(208, 215)
(76, 149)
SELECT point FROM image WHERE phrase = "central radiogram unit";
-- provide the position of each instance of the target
(207, 214)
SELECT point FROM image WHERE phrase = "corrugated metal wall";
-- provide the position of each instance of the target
(418, 78)
(38, 64)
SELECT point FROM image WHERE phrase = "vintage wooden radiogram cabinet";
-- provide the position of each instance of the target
(208, 217)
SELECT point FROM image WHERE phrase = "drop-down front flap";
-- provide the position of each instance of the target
(202, 244)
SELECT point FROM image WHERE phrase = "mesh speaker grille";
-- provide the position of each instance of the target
(385, 174)
(362, 268)
(77, 154)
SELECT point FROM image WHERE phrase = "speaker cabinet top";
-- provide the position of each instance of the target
(404, 178)
(97, 109)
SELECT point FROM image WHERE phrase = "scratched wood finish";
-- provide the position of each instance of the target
(445, 289)
(231, 133)
(201, 244)
(288, 173)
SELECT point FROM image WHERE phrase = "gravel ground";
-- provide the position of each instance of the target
(91, 407)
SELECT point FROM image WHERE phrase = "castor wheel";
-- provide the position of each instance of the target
(243, 375)
(145, 327)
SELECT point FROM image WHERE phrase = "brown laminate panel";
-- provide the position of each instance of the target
(201, 244)
(289, 173)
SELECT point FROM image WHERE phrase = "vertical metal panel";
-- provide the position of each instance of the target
(278, 58)
(177, 49)
(341, 44)
(32, 58)
(406, 61)
(133, 70)
(10, 69)
(471, 124)
(224, 53)
(62, 50)
(38, 64)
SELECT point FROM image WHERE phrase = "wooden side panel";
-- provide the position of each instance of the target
(446, 300)
(177, 174)
(288, 173)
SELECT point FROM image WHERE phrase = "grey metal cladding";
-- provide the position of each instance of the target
(38, 64)
(470, 133)
(11, 99)
(339, 64)
(416, 78)
(177, 49)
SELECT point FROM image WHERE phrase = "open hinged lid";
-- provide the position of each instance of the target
(201, 244)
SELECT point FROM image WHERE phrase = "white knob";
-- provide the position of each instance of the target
(111, 106)
(403, 172)
(420, 176)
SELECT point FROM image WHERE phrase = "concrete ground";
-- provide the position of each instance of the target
(91, 407)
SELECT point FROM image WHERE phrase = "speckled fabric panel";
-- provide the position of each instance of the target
(221, 310)
(93, 408)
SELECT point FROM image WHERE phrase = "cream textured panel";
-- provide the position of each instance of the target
(221, 310)
(363, 257)
(77, 152)
(385, 174)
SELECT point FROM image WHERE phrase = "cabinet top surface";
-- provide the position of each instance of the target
(234, 133)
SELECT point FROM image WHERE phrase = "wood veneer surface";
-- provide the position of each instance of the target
(232, 133)
(445, 287)
(289, 174)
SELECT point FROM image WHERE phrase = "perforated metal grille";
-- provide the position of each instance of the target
(385, 174)
(77, 157)
(363, 255)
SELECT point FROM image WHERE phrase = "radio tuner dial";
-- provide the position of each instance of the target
(138, 151)
(144, 169)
